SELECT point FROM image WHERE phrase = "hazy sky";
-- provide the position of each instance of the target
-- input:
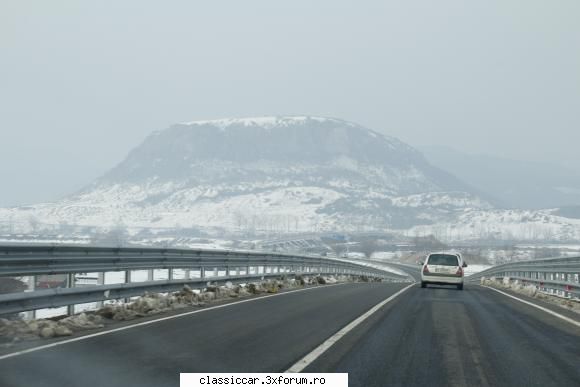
(81, 82)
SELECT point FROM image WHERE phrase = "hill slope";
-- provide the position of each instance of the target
(287, 174)
(269, 173)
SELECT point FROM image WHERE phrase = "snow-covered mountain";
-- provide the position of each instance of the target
(283, 174)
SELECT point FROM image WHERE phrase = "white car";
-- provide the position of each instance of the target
(443, 269)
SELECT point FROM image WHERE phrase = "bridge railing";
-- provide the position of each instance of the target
(193, 267)
(559, 276)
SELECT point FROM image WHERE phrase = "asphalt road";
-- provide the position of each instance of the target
(436, 336)
(440, 336)
(266, 335)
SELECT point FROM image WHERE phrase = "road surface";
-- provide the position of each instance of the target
(437, 336)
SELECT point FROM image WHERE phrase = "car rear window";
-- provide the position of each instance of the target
(443, 259)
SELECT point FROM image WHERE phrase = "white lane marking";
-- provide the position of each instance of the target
(558, 315)
(309, 358)
(13, 354)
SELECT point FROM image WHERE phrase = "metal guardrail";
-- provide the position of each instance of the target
(552, 275)
(58, 297)
(237, 266)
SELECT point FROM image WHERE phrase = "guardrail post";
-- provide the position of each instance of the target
(170, 273)
(202, 272)
(31, 288)
(150, 275)
(100, 281)
(127, 281)
(70, 283)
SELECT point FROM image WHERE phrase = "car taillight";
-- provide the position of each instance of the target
(425, 269)
(459, 271)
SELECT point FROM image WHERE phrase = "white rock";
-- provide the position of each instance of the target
(506, 281)
(47, 332)
(61, 330)
(529, 290)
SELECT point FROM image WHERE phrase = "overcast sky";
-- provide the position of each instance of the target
(81, 82)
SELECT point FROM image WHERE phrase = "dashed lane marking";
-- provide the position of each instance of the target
(318, 351)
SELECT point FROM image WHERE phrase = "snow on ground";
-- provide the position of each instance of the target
(266, 122)
(563, 247)
(288, 208)
(51, 312)
(472, 269)
(435, 199)
(276, 206)
(7, 240)
(388, 255)
(503, 225)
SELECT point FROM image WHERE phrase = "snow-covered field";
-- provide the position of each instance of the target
(509, 225)
(472, 269)
(290, 210)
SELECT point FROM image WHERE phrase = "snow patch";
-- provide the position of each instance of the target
(267, 122)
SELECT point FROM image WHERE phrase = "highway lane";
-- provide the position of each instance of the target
(265, 335)
(413, 270)
(437, 336)
(440, 336)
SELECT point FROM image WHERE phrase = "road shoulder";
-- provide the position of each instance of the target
(560, 310)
